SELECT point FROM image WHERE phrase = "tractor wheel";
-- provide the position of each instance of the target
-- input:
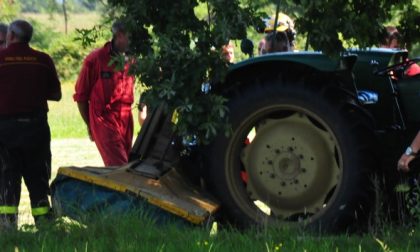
(297, 155)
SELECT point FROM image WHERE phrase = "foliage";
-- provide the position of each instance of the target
(178, 52)
(412, 197)
(51, 6)
(68, 56)
(66, 53)
(43, 35)
(328, 23)
(8, 10)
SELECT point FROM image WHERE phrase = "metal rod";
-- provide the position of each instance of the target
(275, 24)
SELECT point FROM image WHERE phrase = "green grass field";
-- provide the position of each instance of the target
(65, 120)
(137, 232)
(80, 21)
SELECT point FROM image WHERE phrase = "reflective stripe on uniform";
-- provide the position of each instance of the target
(8, 209)
(36, 211)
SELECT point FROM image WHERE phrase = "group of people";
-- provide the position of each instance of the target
(104, 96)
(28, 79)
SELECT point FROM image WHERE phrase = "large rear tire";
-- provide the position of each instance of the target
(297, 155)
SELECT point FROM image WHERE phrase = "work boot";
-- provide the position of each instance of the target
(8, 222)
(44, 219)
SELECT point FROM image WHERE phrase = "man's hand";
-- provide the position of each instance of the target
(142, 113)
(404, 162)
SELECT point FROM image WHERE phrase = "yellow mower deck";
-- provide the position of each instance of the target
(170, 192)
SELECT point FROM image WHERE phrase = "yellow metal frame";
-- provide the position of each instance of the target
(110, 184)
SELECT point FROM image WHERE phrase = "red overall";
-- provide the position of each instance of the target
(413, 70)
(110, 95)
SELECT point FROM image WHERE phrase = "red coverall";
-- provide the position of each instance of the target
(110, 95)
(413, 70)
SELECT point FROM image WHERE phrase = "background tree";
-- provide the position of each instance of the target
(177, 51)
(8, 10)
(328, 24)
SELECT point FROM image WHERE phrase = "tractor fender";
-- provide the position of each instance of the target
(297, 64)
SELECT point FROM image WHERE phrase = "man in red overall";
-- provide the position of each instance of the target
(104, 96)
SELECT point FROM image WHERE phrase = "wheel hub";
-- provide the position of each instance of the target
(291, 165)
(286, 165)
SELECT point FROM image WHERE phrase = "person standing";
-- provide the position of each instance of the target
(28, 79)
(281, 40)
(104, 95)
(3, 32)
(392, 41)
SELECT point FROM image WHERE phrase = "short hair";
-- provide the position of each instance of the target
(118, 26)
(22, 30)
(3, 28)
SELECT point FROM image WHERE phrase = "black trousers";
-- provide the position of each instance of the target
(25, 153)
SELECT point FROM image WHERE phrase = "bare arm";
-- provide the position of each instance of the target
(84, 112)
(142, 114)
(404, 159)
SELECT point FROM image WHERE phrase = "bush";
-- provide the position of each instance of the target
(67, 53)
(68, 56)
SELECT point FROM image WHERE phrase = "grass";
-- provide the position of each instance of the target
(64, 117)
(137, 232)
(76, 20)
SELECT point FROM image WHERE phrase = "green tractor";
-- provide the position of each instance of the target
(309, 134)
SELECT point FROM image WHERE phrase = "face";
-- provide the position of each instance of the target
(276, 46)
(122, 41)
(228, 53)
(394, 43)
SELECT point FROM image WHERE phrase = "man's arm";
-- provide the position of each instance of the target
(56, 96)
(83, 88)
(84, 112)
(406, 159)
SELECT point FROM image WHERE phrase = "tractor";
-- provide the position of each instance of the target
(309, 136)
(313, 140)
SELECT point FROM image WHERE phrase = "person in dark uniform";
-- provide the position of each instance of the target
(28, 79)
(3, 32)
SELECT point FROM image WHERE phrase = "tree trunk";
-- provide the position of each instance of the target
(65, 16)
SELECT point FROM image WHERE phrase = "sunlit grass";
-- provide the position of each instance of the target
(56, 20)
(136, 231)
